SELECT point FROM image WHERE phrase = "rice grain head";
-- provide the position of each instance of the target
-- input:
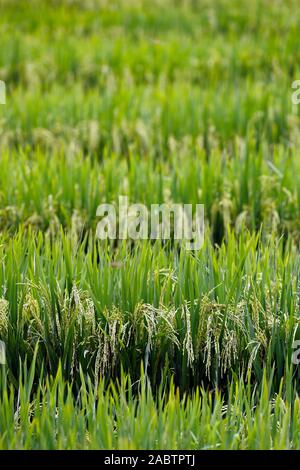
(4, 309)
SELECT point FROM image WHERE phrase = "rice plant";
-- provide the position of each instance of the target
(143, 344)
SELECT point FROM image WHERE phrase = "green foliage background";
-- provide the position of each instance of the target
(162, 101)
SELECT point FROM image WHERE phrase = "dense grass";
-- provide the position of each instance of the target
(114, 417)
(199, 315)
(162, 101)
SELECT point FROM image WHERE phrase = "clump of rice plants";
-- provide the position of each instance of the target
(112, 416)
(143, 344)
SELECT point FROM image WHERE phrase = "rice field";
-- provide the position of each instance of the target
(122, 344)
